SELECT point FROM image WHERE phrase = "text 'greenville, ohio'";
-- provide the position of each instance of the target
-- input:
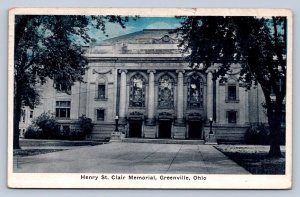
(129, 177)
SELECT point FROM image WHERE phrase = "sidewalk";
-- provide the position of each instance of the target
(132, 158)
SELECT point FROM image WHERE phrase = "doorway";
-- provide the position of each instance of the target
(195, 130)
(164, 129)
(135, 129)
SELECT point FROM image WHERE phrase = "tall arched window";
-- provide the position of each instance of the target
(137, 91)
(195, 91)
(166, 92)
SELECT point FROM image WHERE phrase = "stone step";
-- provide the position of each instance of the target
(161, 141)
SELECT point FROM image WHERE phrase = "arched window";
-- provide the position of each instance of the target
(166, 92)
(137, 91)
(195, 91)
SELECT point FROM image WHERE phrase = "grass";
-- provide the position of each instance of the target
(38, 142)
(31, 152)
(30, 147)
(254, 158)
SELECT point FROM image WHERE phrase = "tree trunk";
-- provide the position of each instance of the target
(274, 117)
(17, 115)
(275, 141)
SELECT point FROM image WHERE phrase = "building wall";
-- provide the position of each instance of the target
(141, 53)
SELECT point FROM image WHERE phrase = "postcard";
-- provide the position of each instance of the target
(150, 98)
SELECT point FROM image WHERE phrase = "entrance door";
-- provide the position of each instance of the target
(195, 130)
(165, 127)
(135, 129)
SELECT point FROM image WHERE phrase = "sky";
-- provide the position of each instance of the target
(114, 30)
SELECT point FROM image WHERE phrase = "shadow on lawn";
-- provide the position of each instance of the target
(257, 163)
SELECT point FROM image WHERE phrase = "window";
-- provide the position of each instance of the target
(100, 114)
(232, 116)
(101, 91)
(232, 92)
(137, 91)
(166, 92)
(63, 109)
(63, 88)
(195, 92)
(31, 114)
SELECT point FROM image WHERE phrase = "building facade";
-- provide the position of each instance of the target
(143, 79)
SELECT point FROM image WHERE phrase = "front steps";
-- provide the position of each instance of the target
(162, 141)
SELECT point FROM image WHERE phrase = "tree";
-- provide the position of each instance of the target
(49, 46)
(257, 44)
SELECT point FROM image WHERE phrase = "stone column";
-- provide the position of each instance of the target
(179, 109)
(123, 96)
(151, 96)
(209, 104)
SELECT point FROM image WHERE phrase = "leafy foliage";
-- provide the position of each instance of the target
(50, 46)
(257, 135)
(48, 125)
(257, 44)
(33, 132)
(85, 124)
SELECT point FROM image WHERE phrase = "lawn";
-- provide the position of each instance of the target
(41, 142)
(31, 152)
(254, 158)
(30, 147)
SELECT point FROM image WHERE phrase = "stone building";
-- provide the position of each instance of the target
(143, 79)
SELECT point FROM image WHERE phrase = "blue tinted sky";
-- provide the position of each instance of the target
(114, 30)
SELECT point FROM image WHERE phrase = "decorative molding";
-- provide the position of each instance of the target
(151, 70)
(101, 99)
(164, 39)
(232, 101)
(136, 115)
(102, 73)
(123, 70)
(194, 117)
(180, 70)
(165, 115)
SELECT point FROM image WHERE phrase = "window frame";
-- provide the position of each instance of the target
(131, 105)
(201, 92)
(59, 108)
(59, 89)
(228, 115)
(96, 113)
(98, 90)
(228, 99)
(172, 89)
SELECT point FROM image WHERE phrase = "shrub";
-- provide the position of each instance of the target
(48, 125)
(76, 135)
(258, 135)
(33, 132)
(85, 124)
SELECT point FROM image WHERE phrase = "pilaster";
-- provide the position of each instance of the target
(123, 96)
(151, 104)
